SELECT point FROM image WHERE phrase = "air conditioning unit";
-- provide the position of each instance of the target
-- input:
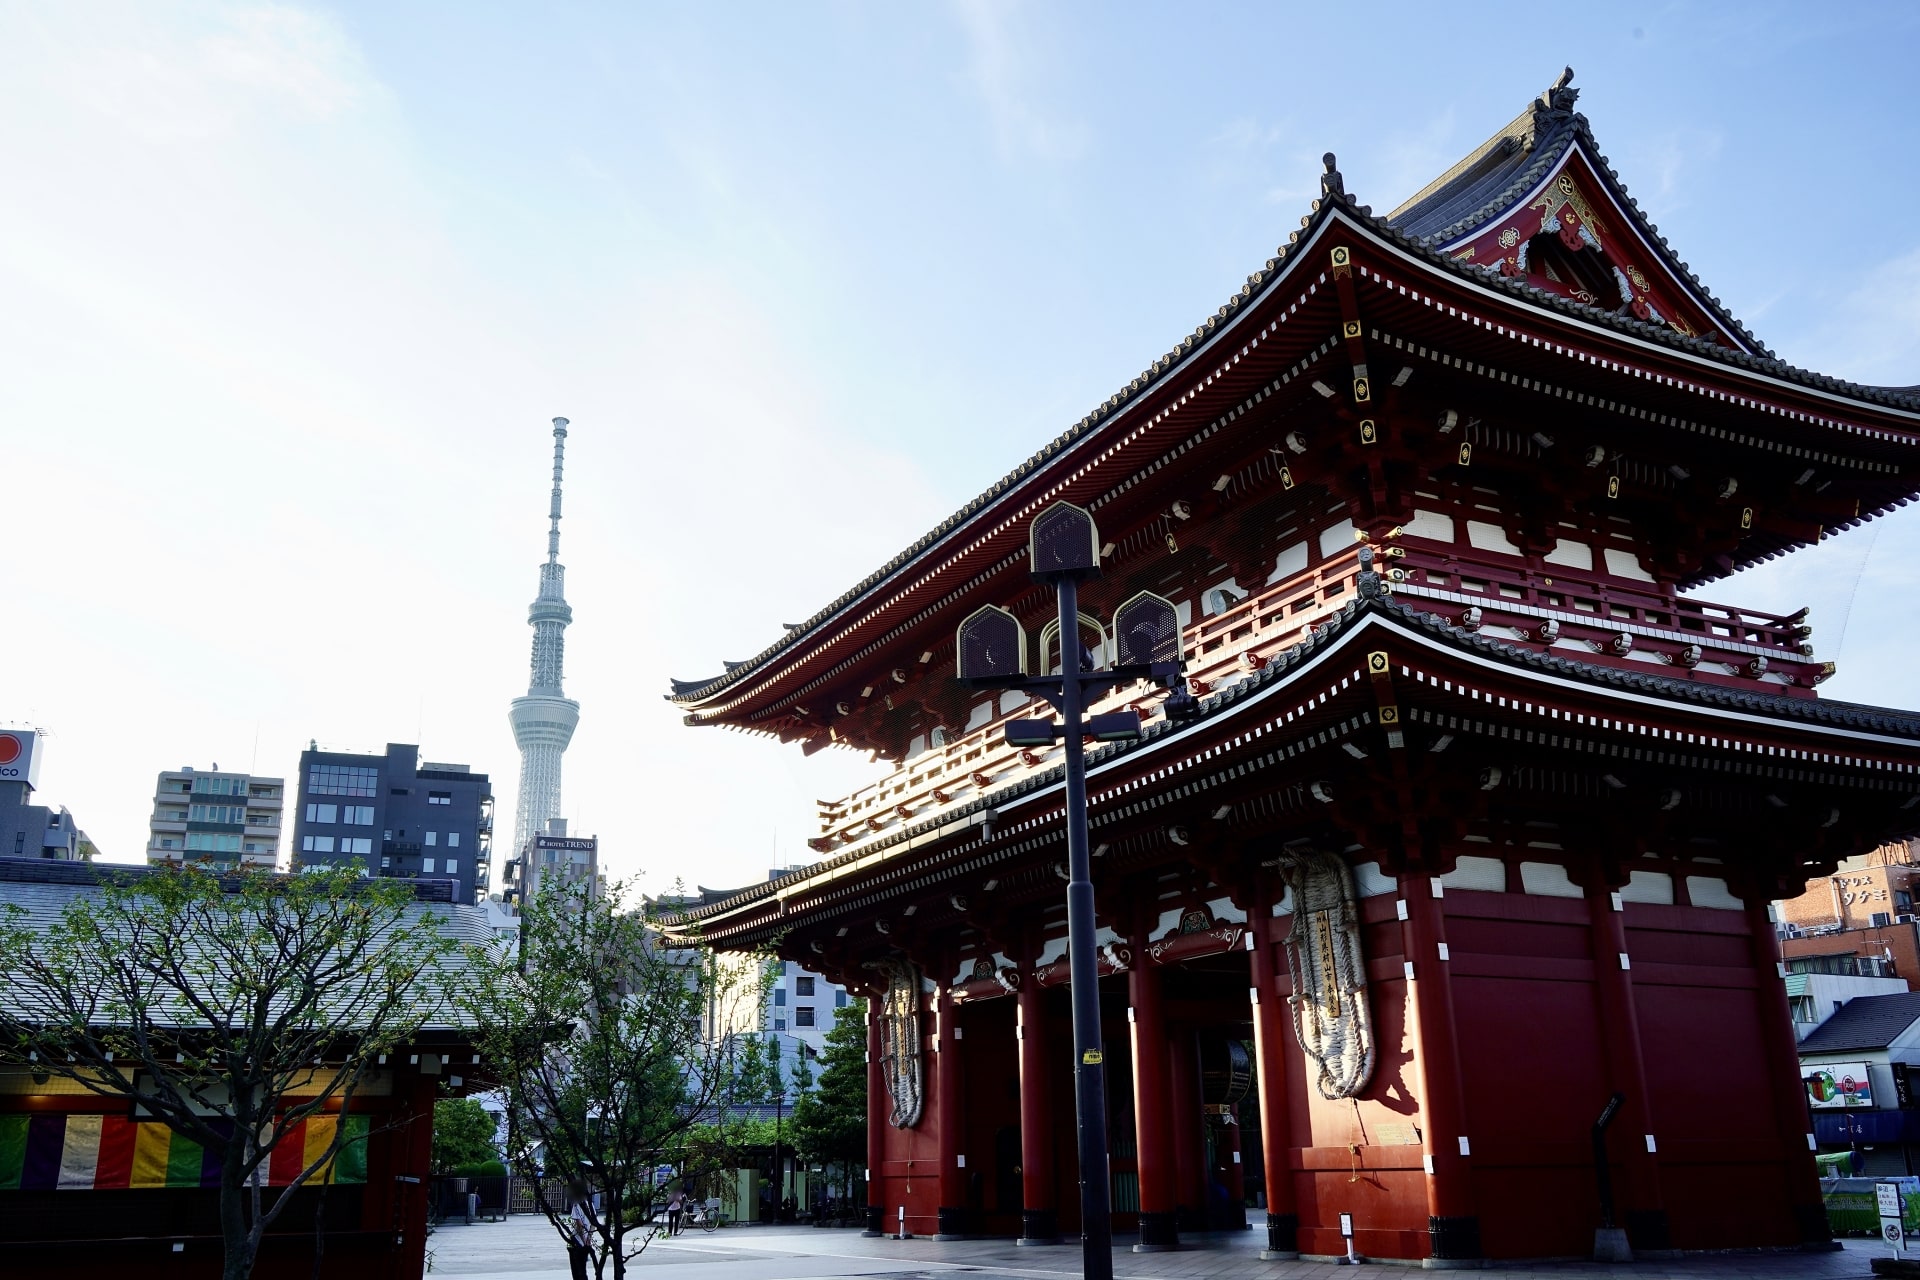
(1908, 918)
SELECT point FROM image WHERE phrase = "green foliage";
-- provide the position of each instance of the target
(462, 1134)
(612, 1042)
(830, 1122)
(207, 998)
(480, 1169)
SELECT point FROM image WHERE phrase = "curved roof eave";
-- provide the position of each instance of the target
(1881, 723)
(689, 693)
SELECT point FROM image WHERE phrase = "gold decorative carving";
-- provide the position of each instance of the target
(1565, 191)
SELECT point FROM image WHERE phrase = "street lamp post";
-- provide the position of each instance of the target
(991, 652)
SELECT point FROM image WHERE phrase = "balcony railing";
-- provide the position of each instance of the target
(1268, 622)
(1602, 621)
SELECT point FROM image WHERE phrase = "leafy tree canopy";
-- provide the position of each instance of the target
(462, 1134)
(830, 1121)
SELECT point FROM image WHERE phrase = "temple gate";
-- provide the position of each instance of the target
(1484, 808)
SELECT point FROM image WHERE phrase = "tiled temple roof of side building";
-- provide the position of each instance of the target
(1488, 166)
(1371, 601)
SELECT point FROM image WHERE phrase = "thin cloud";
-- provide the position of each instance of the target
(1005, 74)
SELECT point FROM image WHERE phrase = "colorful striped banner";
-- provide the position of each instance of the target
(64, 1152)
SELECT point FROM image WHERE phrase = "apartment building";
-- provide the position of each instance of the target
(216, 816)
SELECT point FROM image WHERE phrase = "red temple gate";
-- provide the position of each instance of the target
(1482, 816)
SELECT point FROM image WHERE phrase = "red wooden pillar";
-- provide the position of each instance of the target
(1270, 1074)
(413, 1162)
(1039, 1221)
(1153, 1131)
(949, 1122)
(1453, 1227)
(877, 1109)
(1644, 1212)
(1791, 1120)
(1233, 1173)
(1189, 1139)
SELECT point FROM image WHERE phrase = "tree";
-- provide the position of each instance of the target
(231, 1006)
(462, 1134)
(830, 1120)
(614, 1044)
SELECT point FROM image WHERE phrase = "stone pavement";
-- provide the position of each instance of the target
(526, 1248)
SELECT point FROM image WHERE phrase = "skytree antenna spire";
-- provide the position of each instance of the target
(544, 720)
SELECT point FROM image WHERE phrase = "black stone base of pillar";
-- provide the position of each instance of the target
(1158, 1233)
(1454, 1239)
(875, 1221)
(954, 1224)
(1648, 1233)
(1815, 1232)
(1283, 1236)
(1039, 1226)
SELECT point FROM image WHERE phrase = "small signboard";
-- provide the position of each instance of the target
(1887, 1196)
(1838, 1085)
(1346, 1225)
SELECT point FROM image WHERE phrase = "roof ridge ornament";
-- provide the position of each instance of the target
(1559, 98)
(1331, 183)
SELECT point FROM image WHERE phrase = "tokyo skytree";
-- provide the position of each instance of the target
(544, 720)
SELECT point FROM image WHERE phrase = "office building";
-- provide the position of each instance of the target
(207, 815)
(29, 830)
(396, 815)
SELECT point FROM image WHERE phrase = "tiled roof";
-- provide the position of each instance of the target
(1864, 1022)
(1370, 601)
(1494, 174)
(41, 891)
(1498, 173)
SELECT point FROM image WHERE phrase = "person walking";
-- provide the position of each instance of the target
(676, 1205)
(579, 1231)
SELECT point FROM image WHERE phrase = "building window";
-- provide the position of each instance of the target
(803, 985)
(357, 815)
(209, 785)
(439, 797)
(453, 839)
(426, 865)
(316, 844)
(433, 838)
(453, 866)
(212, 842)
(839, 999)
(323, 812)
(779, 995)
(803, 1016)
(356, 844)
(229, 814)
(166, 842)
(342, 780)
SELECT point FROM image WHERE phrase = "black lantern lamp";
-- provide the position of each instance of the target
(1064, 548)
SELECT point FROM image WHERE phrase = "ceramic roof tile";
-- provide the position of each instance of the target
(1864, 1022)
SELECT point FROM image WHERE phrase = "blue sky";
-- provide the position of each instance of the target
(293, 290)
